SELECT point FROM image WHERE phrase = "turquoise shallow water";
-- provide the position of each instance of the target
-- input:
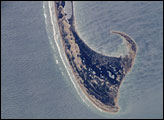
(35, 83)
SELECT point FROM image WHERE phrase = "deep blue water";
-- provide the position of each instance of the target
(32, 83)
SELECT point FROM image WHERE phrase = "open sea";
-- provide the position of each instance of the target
(35, 79)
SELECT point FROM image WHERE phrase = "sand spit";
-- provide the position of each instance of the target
(91, 69)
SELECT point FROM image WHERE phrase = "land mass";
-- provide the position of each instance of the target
(99, 76)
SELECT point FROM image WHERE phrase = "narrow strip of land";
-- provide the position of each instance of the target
(99, 76)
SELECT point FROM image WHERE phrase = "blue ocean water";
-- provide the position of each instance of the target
(35, 83)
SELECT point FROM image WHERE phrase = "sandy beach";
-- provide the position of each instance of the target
(70, 37)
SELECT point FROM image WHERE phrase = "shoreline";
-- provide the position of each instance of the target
(93, 100)
(82, 88)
